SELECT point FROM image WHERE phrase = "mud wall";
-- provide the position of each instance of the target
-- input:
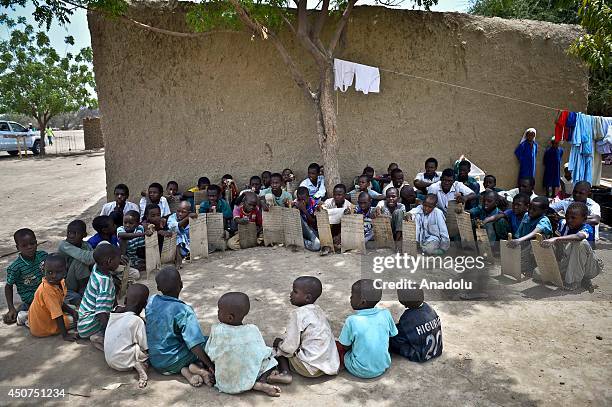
(180, 108)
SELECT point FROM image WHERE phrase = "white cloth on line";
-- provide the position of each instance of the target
(344, 71)
(367, 78)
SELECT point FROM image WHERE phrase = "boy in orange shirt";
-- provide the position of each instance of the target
(49, 315)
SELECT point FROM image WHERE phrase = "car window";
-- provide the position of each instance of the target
(4, 126)
(18, 127)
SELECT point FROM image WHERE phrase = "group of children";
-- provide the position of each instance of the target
(234, 356)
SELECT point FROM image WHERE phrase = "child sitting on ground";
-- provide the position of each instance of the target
(410, 198)
(125, 341)
(431, 175)
(364, 207)
(242, 359)
(397, 180)
(419, 336)
(315, 183)
(174, 335)
(179, 223)
(274, 195)
(203, 184)
(307, 206)
(99, 296)
(462, 174)
(513, 216)
(363, 185)
(289, 183)
(431, 230)
(577, 262)
(229, 191)
(395, 210)
(244, 213)
(490, 182)
(335, 207)
(79, 259)
(106, 231)
(364, 339)
(216, 203)
(49, 314)
(155, 195)
(121, 203)
(132, 240)
(534, 221)
(308, 345)
(254, 186)
(172, 189)
(369, 171)
(266, 179)
(152, 216)
(25, 272)
(525, 186)
(496, 230)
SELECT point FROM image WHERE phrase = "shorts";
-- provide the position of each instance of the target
(298, 367)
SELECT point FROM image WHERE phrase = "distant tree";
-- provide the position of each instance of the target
(36, 81)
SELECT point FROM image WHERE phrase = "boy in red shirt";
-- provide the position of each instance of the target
(244, 213)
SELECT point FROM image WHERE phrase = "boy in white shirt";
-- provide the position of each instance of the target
(424, 179)
(122, 193)
(315, 182)
(447, 189)
(155, 195)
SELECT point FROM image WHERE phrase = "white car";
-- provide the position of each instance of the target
(8, 138)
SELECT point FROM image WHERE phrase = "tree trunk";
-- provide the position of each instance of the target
(42, 126)
(327, 127)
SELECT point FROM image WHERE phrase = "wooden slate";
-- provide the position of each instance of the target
(409, 238)
(510, 260)
(124, 280)
(383, 233)
(352, 235)
(325, 235)
(484, 246)
(168, 253)
(173, 203)
(451, 219)
(152, 255)
(292, 227)
(464, 224)
(215, 231)
(247, 234)
(273, 231)
(547, 262)
(198, 238)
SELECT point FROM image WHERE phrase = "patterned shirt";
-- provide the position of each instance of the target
(98, 298)
(528, 225)
(254, 216)
(135, 243)
(26, 275)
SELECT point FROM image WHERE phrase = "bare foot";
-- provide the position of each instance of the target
(273, 391)
(98, 341)
(141, 368)
(203, 373)
(193, 379)
(277, 377)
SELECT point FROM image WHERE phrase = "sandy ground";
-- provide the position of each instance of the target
(539, 347)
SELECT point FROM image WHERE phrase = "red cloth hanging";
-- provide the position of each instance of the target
(561, 131)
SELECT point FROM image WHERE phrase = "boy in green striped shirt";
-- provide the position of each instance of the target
(25, 273)
(99, 296)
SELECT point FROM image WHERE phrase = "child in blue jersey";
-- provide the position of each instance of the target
(106, 230)
(496, 230)
(131, 237)
(577, 261)
(514, 216)
(419, 329)
(364, 339)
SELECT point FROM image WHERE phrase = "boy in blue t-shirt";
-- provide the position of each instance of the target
(364, 339)
(514, 216)
(577, 261)
(419, 328)
(106, 230)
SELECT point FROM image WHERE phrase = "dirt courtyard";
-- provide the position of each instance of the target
(541, 347)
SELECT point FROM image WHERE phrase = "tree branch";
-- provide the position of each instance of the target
(303, 34)
(341, 24)
(320, 23)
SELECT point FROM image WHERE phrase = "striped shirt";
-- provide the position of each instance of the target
(135, 243)
(26, 275)
(98, 298)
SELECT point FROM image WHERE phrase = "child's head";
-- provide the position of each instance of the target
(302, 194)
(576, 215)
(213, 194)
(391, 167)
(582, 190)
(447, 179)
(233, 307)
(168, 281)
(183, 210)
(136, 298)
(431, 165)
(249, 201)
(288, 175)
(411, 298)
(364, 200)
(369, 171)
(122, 193)
(131, 220)
(314, 170)
(152, 214)
(107, 257)
(520, 205)
(363, 182)
(408, 195)
(76, 232)
(397, 177)
(391, 197)
(275, 182)
(104, 225)
(266, 178)
(155, 192)
(227, 177)
(25, 241)
(554, 143)
(538, 207)
(525, 185)
(464, 170)
(255, 183)
(203, 183)
(172, 188)
(54, 268)
(489, 200)
(364, 294)
(566, 172)
(430, 202)
(306, 290)
(489, 181)
(339, 194)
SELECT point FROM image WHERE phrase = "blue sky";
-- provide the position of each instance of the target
(78, 23)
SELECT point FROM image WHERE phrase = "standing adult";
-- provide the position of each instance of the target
(526, 153)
